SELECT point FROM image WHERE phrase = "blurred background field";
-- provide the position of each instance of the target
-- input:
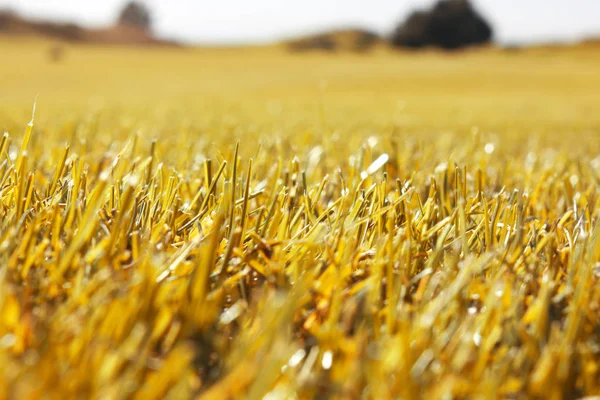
(553, 91)
(520, 74)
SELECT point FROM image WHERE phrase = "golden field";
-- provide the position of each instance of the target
(250, 223)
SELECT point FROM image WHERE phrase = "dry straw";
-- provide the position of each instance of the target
(394, 275)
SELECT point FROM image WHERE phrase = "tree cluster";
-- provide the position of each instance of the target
(450, 24)
(135, 14)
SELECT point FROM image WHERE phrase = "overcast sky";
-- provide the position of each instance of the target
(255, 21)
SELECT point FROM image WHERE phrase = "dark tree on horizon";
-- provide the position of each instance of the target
(450, 24)
(136, 14)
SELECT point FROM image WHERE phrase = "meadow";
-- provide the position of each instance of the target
(224, 223)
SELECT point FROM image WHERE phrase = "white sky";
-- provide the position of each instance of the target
(254, 21)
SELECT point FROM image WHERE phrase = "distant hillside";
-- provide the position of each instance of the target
(358, 40)
(592, 42)
(13, 24)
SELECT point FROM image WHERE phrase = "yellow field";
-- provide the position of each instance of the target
(242, 223)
